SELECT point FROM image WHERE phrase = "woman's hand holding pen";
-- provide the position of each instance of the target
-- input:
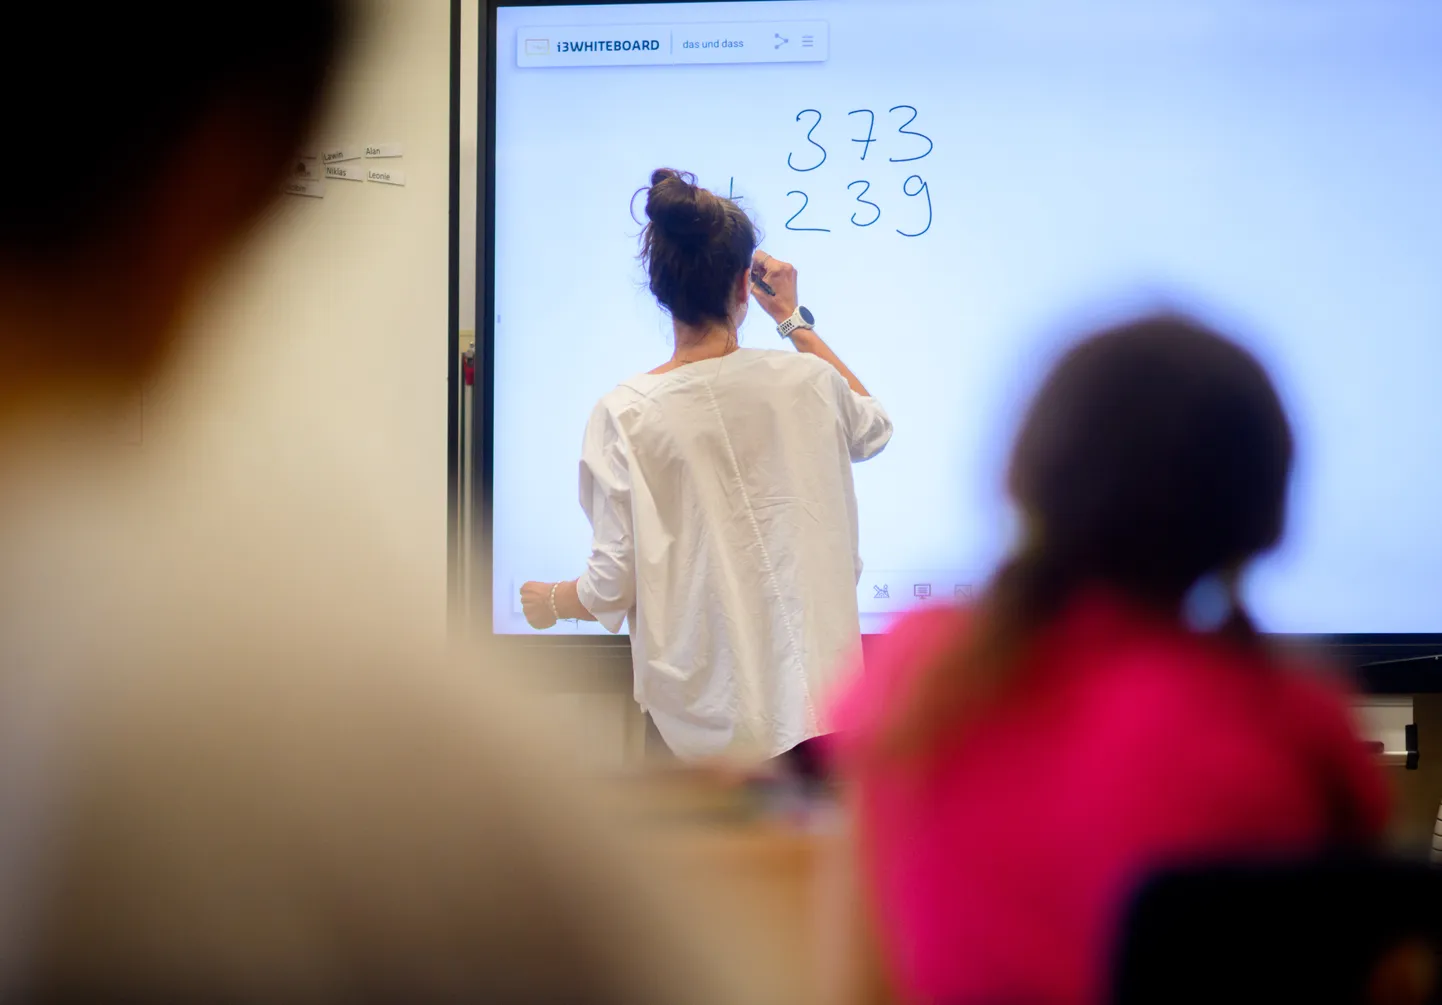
(773, 284)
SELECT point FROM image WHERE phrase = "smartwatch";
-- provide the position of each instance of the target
(800, 318)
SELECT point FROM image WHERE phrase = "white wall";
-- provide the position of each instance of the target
(318, 371)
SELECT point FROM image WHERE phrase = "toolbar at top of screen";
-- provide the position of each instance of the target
(672, 44)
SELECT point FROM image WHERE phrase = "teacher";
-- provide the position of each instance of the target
(720, 494)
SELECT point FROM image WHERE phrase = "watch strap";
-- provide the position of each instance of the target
(795, 321)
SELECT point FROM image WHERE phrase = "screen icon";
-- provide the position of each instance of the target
(964, 592)
(808, 41)
(538, 46)
(922, 591)
(882, 592)
(781, 41)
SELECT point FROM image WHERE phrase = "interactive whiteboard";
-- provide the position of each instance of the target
(963, 185)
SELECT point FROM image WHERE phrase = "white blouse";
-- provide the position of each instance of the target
(724, 516)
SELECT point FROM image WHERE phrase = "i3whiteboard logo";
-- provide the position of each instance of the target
(538, 47)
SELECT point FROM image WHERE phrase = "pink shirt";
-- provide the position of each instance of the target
(1001, 865)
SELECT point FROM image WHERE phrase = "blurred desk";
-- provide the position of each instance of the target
(769, 869)
(770, 872)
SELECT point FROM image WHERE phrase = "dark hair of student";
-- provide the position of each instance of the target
(695, 247)
(1155, 454)
(122, 87)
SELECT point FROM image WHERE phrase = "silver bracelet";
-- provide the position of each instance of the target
(554, 612)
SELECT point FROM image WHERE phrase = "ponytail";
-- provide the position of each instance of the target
(1239, 627)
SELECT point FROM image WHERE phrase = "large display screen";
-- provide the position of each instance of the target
(964, 185)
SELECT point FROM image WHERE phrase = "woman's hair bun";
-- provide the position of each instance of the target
(679, 209)
(695, 247)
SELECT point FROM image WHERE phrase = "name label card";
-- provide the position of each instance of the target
(306, 187)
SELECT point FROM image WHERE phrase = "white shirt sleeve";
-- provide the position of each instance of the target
(868, 427)
(608, 586)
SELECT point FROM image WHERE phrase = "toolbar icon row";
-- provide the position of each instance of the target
(898, 591)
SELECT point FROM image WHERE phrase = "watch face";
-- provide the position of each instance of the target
(806, 315)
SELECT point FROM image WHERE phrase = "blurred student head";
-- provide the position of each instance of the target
(1155, 457)
(1155, 454)
(153, 149)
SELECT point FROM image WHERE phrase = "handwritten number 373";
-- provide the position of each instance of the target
(804, 161)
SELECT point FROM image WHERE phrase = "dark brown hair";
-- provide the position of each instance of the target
(122, 87)
(694, 248)
(1156, 453)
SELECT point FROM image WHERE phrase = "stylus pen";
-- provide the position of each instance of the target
(762, 285)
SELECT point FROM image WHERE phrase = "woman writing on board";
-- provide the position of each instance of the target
(719, 490)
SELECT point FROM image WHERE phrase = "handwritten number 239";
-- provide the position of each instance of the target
(914, 187)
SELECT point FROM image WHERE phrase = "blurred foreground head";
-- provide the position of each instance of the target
(158, 151)
(1155, 458)
(232, 768)
(1155, 454)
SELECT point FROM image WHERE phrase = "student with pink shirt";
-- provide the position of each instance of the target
(1106, 709)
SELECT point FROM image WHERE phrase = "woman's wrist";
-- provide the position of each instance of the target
(568, 602)
(781, 312)
(564, 598)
